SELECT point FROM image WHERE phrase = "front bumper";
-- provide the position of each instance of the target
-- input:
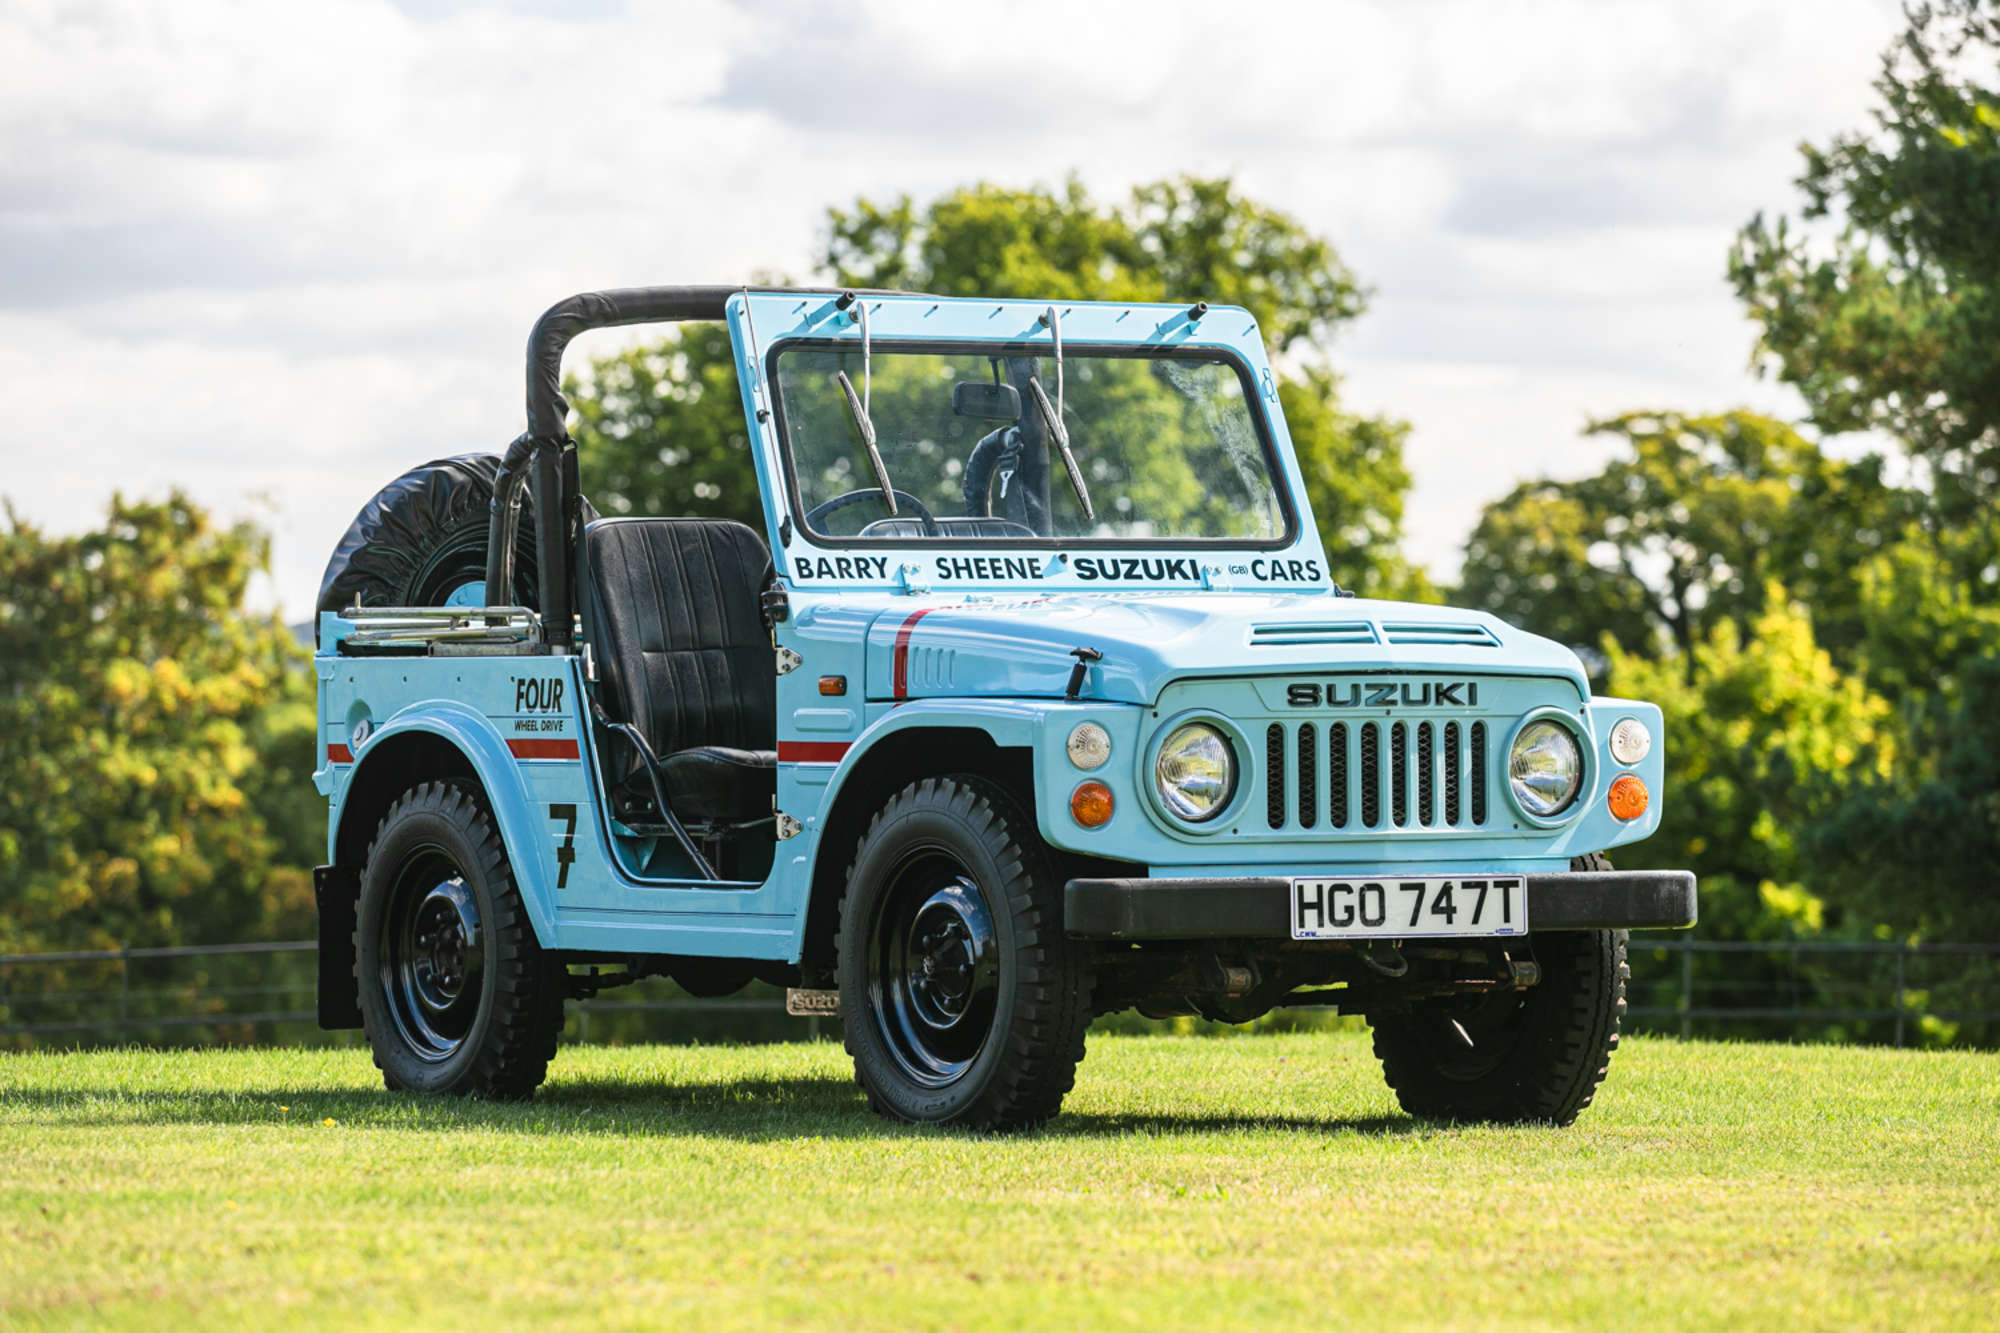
(1260, 908)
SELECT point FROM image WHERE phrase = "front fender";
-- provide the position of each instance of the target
(492, 763)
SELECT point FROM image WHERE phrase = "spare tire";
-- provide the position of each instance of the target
(422, 542)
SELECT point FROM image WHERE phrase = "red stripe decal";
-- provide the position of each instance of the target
(338, 754)
(901, 674)
(542, 749)
(811, 752)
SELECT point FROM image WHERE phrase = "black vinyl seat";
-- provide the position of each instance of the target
(674, 611)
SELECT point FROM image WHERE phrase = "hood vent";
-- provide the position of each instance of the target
(1285, 636)
(1465, 636)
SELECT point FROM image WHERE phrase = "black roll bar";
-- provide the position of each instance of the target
(548, 445)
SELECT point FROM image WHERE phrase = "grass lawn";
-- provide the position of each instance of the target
(1191, 1183)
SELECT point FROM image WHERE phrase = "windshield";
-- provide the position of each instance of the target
(1166, 446)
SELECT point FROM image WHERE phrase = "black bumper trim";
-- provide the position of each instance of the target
(1260, 908)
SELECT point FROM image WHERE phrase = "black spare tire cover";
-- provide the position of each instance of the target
(422, 541)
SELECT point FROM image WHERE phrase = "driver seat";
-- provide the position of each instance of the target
(674, 609)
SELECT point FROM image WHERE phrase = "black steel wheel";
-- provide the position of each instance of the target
(961, 1000)
(456, 995)
(1533, 1055)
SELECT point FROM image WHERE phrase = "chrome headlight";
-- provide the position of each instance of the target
(1545, 768)
(1195, 772)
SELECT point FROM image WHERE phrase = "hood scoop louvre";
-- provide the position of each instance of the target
(1399, 634)
(1286, 636)
(1463, 635)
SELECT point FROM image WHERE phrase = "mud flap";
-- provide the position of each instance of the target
(336, 890)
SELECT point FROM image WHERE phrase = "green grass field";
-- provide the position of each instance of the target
(1261, 1181)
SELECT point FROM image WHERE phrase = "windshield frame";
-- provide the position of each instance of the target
(1259, 416)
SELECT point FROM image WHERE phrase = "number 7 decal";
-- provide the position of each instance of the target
(565, 854)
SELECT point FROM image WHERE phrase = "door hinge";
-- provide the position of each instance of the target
(788, 827)
(788, 661)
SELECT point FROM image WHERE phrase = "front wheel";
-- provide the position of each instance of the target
(962, 1001)
(1534, 1055)
(456, 994)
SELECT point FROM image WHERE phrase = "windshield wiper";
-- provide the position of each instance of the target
(857, 404)
(1052, 418)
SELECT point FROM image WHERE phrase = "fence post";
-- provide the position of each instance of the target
(124, 987)
(1902, 952)
(1687, 991)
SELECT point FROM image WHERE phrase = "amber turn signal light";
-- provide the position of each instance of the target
(1628, 798)
(1090, 804)
(833, 684)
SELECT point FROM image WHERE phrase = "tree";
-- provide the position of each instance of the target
(1920, 855)
(1891, 322)
(153, 781)
(1685, 533)
(660, 428)
(1763, 737)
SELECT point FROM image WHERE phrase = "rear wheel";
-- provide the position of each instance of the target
(456, 994)
(1536, 1054)
(961, 999)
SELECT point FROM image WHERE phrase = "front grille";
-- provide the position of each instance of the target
(1308, 775)
(1387, 775)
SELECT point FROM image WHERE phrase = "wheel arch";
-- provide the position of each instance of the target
(428, 744)
(916, 747)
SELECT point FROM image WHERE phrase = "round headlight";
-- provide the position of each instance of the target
(1195, 772)
(1089, 746)
(1546, 768)
(1630, 741)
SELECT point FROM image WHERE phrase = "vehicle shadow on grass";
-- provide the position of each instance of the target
(752, 1110)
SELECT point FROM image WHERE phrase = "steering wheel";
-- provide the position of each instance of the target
(855, 497)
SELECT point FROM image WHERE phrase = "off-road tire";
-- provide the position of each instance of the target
(1028, 1060)
(504, 1054)
(1556, 1037)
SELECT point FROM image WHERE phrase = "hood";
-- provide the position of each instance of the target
(1022, 646)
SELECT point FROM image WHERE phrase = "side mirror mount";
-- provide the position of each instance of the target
(986, 402)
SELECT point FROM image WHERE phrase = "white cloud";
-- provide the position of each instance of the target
(288, 250)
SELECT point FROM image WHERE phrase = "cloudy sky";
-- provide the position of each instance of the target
(276, 253)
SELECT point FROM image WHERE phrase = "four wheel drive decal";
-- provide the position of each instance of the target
(901, 674)
(565, 854)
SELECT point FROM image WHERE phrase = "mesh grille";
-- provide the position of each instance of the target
(1336, 773)
(1274, 775)
(1426, 774)
(1479, 772)
(1451, 753)
(1399, 773)
(1308, 775)
(1371, 774)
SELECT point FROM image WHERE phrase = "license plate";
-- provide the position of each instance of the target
(1409, 907)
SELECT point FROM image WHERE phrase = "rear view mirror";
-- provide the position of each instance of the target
(988, 402)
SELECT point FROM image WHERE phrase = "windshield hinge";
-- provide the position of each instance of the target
(910, 579)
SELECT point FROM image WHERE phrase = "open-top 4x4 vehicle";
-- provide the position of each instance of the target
(1033, 701)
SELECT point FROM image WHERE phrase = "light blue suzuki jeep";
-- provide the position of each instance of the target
(1032, 701)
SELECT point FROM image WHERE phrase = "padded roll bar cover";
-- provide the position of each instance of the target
(561, 322)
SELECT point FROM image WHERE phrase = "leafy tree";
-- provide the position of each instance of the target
(152, 783)
(660, 430)
(1891, 321)
(1683, 534)
(660, 427)
(1921, 854)
(1763, 736)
